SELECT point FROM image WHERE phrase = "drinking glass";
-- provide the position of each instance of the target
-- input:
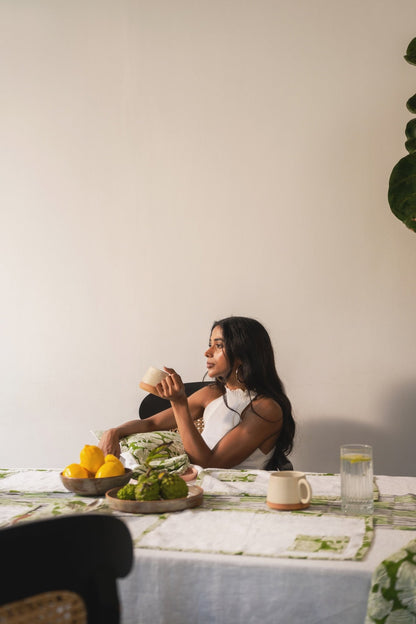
(357, 479)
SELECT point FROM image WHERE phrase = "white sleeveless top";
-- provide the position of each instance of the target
(220, 419)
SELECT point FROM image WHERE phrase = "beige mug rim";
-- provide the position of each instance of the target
(294, 474)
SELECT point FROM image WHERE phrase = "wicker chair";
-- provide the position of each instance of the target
(153, 404)
(64, 570)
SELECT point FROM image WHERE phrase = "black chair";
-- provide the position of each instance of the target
(153, 404)
(49, 563)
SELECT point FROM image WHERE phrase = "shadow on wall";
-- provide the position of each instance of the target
(393, 439)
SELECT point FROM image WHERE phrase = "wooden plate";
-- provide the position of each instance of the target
(194, 499)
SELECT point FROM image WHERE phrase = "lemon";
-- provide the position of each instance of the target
(111, 458)
(110, 469)
(76, 471)
(91, 458)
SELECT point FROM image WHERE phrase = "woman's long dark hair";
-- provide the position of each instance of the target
(246, 340)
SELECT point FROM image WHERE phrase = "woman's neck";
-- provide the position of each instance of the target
(233, 384)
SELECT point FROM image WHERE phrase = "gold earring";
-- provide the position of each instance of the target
(237, 377)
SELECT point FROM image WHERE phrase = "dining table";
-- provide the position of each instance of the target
(233, 559)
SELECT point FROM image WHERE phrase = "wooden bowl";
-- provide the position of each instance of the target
(95, 487)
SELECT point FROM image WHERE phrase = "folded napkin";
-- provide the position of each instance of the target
(392, 597)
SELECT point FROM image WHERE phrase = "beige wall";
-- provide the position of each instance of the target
(167, 163)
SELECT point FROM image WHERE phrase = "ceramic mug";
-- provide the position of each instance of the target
(287, 490)
(152, 377)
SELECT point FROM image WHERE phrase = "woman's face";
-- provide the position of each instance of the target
(217, 361)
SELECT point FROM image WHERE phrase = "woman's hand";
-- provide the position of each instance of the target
(110, 442)
(172, 387)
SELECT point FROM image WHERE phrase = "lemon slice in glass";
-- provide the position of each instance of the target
(354, 458)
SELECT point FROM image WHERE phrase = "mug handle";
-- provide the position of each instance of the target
(304, 484)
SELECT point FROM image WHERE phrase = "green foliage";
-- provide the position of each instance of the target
(402, 182)
(411, 129)
(411, 52)
(402, 191)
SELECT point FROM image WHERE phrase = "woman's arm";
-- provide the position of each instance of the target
(255, 428)
(110, 441)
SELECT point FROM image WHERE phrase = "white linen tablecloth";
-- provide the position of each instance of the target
(172, 587)
(172, 584)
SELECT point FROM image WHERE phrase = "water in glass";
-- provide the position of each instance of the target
(357, 479)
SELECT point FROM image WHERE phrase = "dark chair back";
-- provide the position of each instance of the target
(153, 404)
(84, 554)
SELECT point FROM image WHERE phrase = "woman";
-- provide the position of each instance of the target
(248, 418)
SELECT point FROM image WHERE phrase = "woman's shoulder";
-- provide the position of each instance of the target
(267, 408)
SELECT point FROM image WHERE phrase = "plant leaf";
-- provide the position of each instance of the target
(402, 190)
(411, 129)
(410, 55)
(411, 104)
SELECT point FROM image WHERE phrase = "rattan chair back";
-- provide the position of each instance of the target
(56, 607)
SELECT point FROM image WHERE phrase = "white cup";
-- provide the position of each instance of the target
(288, 490)
(151, 378)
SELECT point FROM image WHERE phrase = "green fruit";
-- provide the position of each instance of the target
(148, 476)
(147, 489)
(173, 486)
(127, 492)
